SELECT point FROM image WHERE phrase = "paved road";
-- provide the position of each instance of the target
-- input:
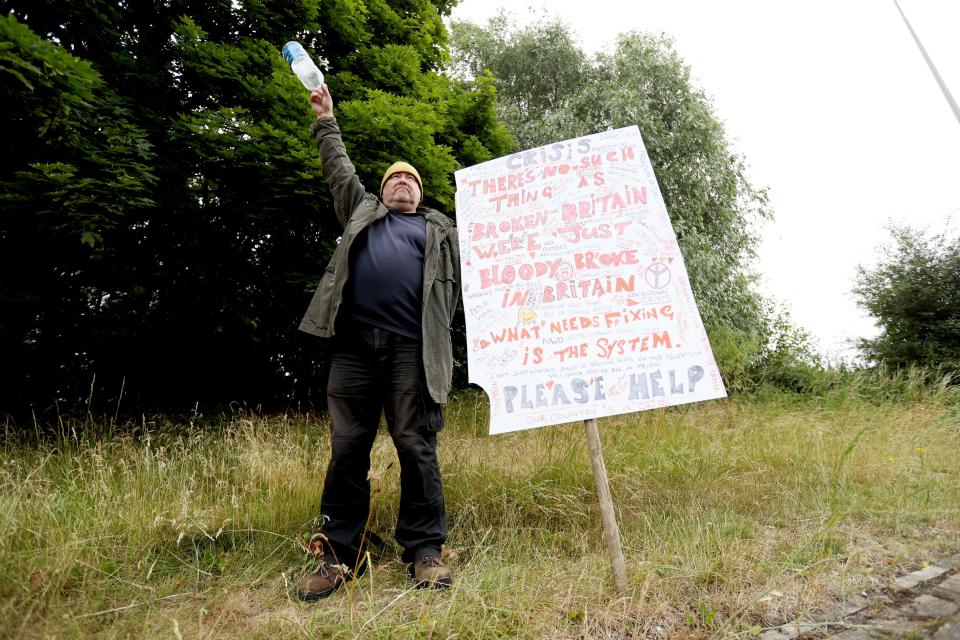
(923, 605)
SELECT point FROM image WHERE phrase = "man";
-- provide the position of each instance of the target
(387, 300)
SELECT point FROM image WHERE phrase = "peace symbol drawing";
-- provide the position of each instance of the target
(657, 275)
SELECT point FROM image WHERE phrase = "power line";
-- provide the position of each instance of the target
(933, 68)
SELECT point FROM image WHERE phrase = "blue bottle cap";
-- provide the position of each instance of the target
(293, 50)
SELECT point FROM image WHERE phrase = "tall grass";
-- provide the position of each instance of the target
(734, 515)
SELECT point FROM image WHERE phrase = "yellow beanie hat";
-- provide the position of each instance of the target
(397, 167)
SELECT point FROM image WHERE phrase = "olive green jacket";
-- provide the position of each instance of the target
(356, 209)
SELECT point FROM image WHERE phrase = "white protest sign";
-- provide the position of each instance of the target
(577, 300)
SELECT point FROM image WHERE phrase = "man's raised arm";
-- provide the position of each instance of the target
(338, 171)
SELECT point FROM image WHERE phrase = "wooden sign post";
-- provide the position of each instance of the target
(611, 532)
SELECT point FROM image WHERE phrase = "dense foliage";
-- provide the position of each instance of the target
(162, 217)
(913, 293)
(549, 90)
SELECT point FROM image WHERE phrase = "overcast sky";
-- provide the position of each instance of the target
(835, 112)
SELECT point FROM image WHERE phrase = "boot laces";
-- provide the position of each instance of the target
(430, 561)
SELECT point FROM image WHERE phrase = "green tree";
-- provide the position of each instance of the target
(539, 71)
(77, 177)
(549, 90)
(184, 246)
(913, 294)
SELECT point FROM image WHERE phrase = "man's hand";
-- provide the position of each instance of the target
(322, 102)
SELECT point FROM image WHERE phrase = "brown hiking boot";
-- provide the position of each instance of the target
(322, 582)
(428, 571)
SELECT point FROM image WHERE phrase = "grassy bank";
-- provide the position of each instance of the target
(734, 514)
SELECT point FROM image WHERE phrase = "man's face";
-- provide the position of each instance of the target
(401, 192)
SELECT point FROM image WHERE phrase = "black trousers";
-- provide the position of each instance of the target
(374, 371)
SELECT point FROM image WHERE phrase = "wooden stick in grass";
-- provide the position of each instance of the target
(611, 532)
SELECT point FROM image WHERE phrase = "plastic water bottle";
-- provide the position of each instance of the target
(301, 64)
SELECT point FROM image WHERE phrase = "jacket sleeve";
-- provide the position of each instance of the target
(454, 241)
(338, 171)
